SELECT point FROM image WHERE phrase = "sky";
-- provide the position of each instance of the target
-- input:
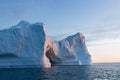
(97, 20)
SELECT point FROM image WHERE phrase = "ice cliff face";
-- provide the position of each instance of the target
(23, 44)
(27, 45)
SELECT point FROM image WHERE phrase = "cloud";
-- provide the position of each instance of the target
(103, 35)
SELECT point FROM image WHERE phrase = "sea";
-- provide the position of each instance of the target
(97, 71)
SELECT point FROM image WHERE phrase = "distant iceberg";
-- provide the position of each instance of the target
(27, 44)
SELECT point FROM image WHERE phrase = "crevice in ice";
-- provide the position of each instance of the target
(51, 56)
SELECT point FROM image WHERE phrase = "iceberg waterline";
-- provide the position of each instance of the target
(27, 44)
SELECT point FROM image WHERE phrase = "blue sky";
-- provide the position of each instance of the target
(98, 20)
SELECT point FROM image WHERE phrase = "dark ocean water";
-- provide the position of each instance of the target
(106, 71)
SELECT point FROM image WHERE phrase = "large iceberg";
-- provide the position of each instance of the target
(23, 45)
(27, 44)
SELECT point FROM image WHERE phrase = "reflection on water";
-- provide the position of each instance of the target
(94, 72)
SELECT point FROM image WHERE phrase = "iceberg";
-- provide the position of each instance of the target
(27, 45)
(23, 45)
(70, 51)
